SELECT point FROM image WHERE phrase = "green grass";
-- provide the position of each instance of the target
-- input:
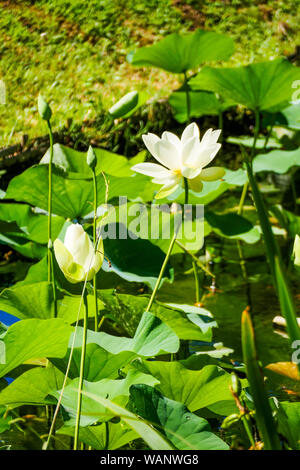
(76, 55)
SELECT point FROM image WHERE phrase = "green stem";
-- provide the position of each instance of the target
(50, 200)
(220, 124)
(106, 435)
(51, 275)
(81, 373)
(188, 98)
(243, 197)
(95, 245)
(246, 185)
(164, 265)
(256, 132)
(186, 191)
(197, 260)
(196, 282)
(294, 193)
(248, 431)
(162, 270)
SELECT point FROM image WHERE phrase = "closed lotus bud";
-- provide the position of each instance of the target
(296, 251)
(126, 104)
(76, 256)
(44, 108)
(230, 420)
(235, 384)
(91, 158)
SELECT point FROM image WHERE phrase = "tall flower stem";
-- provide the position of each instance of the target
(168, 254)
(220, 124)
(162, 270)
(95, 245)
(195, 259)
(246, 185)
(51, 275)
(197, 286)
(188, 98)
(241, 208)
(81, 372)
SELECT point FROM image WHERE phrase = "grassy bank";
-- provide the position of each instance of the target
(76, 54)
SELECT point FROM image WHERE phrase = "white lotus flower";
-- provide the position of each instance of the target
(76, 256)
(181, 158)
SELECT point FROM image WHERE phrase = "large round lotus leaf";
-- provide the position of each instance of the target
(262, 86)
(179, 53)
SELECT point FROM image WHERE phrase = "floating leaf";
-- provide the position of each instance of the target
(247, 141)
(279, 161)
(187, 325)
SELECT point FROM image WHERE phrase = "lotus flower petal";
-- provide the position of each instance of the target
(212, 173)
(151, 169)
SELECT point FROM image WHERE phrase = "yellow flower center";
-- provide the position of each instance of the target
(177, 172)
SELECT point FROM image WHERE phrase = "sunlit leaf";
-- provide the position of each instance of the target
(184, 429)
(30, 339)
(278, 161)
(179, 53)
(194, 388)
(32, 387)
(73, 161)
(115, 390)
(118, 435)
(72, 195)
(263, 86)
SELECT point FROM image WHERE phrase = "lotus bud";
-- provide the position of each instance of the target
(230, 420)
(91, 158)
(125, 105)
(76, 256)
(296, 251)
(44, 108)
(235, 384)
